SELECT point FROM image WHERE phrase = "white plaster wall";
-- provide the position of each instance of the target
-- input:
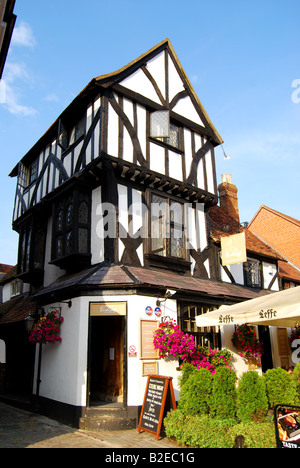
(136, 312)
(64, 365)
(269, 271)
(97, 229)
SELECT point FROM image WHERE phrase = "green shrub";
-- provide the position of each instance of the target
(195, 393)
(207, 432)
(296, 379)
(281, 388)
(224, 395)
(187, 370)
(197, 431)
(252, 401)
(256, 435)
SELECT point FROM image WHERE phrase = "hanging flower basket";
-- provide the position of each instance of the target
(47, 329)
(245, 340)
(171, 342)
(295, 335)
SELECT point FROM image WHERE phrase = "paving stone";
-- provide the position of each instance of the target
(22, 429)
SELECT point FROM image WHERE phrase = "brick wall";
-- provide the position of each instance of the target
(279, 232)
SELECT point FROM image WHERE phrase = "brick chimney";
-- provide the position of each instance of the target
(228, 197)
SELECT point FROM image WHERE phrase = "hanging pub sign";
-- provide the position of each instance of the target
(233, 249)
(287, 426)
(159, 399)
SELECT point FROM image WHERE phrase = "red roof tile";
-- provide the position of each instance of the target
(16, 310)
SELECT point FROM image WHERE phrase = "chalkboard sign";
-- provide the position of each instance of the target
(159, 398)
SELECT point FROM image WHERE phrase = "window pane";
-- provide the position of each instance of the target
(69, 214)
(176, 244)
(34, 171)
(159, 209)
(23, 176)
(69, 243)
(83, 240)
(39, 249)
(174, 136)
(83, 212)
(59, 220)
(28, 245)
(59, 246)
(160, 124)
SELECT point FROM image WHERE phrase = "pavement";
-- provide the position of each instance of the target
(23, 429)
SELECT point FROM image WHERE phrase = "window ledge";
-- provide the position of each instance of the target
(76, 261)
(168, 263)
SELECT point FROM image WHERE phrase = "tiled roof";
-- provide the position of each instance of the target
(129, 277)
(11, 273)
(256, 245)
(16, 310)
(287, 271)
(222, 225)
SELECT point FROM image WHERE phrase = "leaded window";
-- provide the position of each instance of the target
(71, 230)
(253, 274)
(32, 249)
(167, 227)
(163, 130)
(69, 134)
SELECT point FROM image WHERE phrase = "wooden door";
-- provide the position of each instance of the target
(107, 357)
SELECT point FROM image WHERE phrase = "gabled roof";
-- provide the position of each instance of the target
(115, 78)
(276, 213)
(121, 74)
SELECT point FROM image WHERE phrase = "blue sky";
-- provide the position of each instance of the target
(242, 57)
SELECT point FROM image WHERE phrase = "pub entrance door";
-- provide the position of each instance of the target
(106, 359)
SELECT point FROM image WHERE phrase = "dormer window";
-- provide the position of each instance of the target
(15, 287)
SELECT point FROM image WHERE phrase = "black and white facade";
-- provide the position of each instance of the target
(111, 208)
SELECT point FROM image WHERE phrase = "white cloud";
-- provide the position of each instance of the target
(51, 98)
(9, 93)
(2, 92)
(15, 73)
(23, 35)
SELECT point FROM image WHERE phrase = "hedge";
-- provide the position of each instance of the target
(212, 411)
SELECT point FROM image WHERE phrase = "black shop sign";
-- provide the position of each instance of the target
(159, 399)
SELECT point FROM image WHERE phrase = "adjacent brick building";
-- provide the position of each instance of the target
(280, 231)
